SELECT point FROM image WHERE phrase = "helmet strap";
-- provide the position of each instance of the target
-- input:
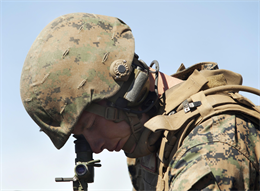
(117, 115)
(109, 113)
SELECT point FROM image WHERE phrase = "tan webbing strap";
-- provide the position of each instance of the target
(172, 122)
(205, 108)
(238, 108)
(193, 85)
(161, 186)
(211, 105)
(161, 162)
(161, 152)
(224, 103)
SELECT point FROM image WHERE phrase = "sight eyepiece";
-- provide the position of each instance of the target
(81, 170)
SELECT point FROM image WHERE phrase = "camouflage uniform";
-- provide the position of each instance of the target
(221, 152)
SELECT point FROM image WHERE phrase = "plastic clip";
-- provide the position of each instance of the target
(187, 106)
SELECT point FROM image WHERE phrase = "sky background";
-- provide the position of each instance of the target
(172, 32)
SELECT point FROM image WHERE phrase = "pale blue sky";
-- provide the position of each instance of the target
(172, 32)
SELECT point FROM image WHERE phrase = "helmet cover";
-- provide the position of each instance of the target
(68, 67)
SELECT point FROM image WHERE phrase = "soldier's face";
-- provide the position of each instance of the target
(101, 133)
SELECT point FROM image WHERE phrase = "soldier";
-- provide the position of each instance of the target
(188, 131)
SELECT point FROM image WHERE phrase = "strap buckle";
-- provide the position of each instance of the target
(188, 106)
(111, 113)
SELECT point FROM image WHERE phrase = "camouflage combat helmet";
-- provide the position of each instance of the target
(78, 58)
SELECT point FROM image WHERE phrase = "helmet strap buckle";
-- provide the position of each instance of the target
(111, 114)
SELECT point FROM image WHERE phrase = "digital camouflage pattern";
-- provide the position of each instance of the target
(215, 146)
(222, 153)
(68, 67)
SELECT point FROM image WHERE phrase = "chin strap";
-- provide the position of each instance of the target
(117, 115)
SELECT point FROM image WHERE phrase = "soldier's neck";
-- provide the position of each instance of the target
(164, 82)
